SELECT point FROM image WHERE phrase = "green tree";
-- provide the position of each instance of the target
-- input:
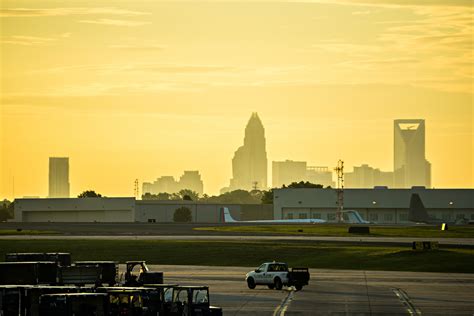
(267, 197)
(188, 195)
(89, 194)
(6, 210)
(182, 215)
(163, 196)
(302, 184)
(237, 196)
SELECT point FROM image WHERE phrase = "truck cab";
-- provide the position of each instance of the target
(276, 274)
(193, 301)
(137, 273)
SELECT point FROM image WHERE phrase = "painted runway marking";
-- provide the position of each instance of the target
(281, 309)
(403, 297)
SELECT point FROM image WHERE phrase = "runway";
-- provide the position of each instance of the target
(353, 240)
(334, 292)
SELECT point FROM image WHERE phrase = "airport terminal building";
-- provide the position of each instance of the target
(379, 205)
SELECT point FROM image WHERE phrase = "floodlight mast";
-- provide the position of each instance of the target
(340, 190)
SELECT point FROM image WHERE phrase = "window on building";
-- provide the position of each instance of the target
(460, 216)
(373, 217)
(316, 215)
(403, 217)
(446, 216)
(331, 216)
(289, 216)
(472, 217)
(345, 217)
(303, 216)
(388, 217)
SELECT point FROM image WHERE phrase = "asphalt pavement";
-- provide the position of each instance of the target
(352, 240)
(334, 292)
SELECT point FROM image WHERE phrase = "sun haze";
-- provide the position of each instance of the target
(140, 89)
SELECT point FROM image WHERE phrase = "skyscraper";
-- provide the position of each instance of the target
(191, 180)
(58, 177)
(410, 165)
(249, 165)
(286, 172)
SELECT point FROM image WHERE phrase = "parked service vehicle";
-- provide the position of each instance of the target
(193, 301)
(74, 304)
(34, 273)
(276, 274)
(133, 301)
(137, 273)
(28, 273)
(109, 270)
(61, 258)
(23, 300)
(166, 296)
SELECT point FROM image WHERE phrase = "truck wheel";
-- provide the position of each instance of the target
(251, 283)
(298, 287)
(271, 286)
(278, 284)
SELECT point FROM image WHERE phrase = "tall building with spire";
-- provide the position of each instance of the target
(410, 165)
(249, 165)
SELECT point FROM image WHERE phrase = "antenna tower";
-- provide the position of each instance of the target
(255, 185)
(340, 190)
(136, 191)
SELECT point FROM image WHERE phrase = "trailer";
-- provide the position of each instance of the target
(23, 300)
(74, 304)
(109, 270)
(61, 258)
(28, 273)
(35, 273)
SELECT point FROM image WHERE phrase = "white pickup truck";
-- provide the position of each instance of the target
(276, 274)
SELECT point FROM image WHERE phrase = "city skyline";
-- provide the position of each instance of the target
(122, 88)
(282, 172)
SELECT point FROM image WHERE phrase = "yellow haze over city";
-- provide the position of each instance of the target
(141, 89)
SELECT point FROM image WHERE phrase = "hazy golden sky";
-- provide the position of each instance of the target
(140, 89)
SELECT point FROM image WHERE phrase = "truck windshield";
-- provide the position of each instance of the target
(200, 296)
(278, 267)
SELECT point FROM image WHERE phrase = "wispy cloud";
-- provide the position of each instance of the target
(139, 47)
(115, 22)
(34, 12)
(176, 69)
(27, 40)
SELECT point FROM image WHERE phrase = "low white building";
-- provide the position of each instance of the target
(75, 210)
(380, 205)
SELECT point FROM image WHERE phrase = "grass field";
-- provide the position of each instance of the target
(215, 253)
(342, 230)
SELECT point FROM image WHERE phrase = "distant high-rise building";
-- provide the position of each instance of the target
(192, 180)
(410, 165)
(320, 175)
(249, 165)
(286, 172)
(368, 177)
(58, 177)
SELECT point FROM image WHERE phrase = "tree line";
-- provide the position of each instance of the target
(234, 197)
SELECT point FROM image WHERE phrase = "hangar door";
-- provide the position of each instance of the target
(63, 216)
